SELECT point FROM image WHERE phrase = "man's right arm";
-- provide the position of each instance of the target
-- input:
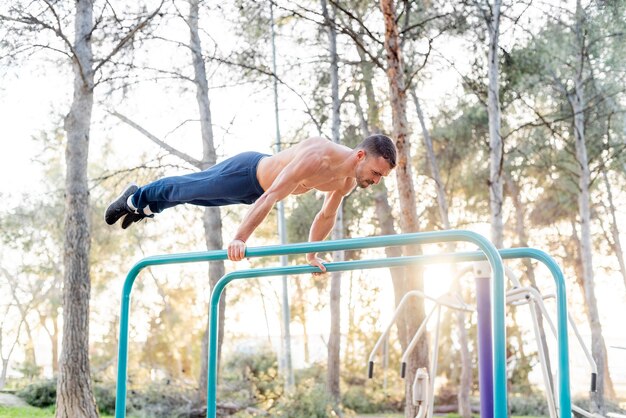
(286, 182)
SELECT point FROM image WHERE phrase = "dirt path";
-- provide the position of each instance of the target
(7, 399)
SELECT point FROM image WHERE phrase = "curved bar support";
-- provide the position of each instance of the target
(488, 251)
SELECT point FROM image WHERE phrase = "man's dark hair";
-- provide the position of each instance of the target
(380, 146)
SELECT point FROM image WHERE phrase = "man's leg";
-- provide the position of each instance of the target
(229, 182)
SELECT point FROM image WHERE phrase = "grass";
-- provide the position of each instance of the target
(442, 416)
(31, 412)
(25, 412)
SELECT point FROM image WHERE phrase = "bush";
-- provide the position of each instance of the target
(309, 400)
(371, 400)
(161, 401)
(105, 398)
(43, 393)
(531, 404)
(40, 394)
(585, 403)
(252, 379)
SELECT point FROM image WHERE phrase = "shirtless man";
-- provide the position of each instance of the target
(251, 177)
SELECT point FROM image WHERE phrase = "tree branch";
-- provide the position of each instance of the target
(183, 156)
(356, 19)
(131, 33)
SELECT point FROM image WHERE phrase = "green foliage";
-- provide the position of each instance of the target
(540, 74)
(529, 404)
(160, 400)
(40, 394)
(252, 379)
(301, 216)
(309, 399)
(170, 349)
(105, 398)
(460, 142)
(315, 372)
(368, 399)
(610, 406)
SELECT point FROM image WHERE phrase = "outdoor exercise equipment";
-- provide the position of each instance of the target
(420, 392)
(517, 295)
(496, 392)
(520, 295)
(448, 300)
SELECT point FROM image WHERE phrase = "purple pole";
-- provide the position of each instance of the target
(485, 353)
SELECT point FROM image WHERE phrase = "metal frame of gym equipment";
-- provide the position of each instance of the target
(423, 385)
(492, 356)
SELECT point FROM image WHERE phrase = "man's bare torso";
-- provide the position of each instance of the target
(329, 177)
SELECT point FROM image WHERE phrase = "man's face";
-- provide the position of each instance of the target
(370, 170)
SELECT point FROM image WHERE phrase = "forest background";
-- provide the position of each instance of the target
(509, 119)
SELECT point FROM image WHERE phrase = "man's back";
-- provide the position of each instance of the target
(330, 158)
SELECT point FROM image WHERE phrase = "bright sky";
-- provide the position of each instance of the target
(26, 103)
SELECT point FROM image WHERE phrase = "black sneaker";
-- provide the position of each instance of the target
(119, 207)
(132, 217)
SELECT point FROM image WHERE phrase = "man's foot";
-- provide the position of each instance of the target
(132, 217)
(119, 207)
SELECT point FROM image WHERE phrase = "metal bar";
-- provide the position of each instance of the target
(356, 243)
(485, 346)
(565, 398)
(347, 244)
(499, 363)
(488, 250)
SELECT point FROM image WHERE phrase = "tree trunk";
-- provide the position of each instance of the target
(334, 338)
(577, 101)
(395, 76)
(286, 362)
(74, 391)
(305, 344)
(465, 384)
(584, 213)
(211, 219)
(381, 196)
(616, 243)
(442, 200)
(299, 314)
(24, 309)
(348, 352)
(53, 316)
(212, 222)
(576, 256)
(3, 373)
(496, 147)
(5, 360)
(373, 107)
(522, 237)
(54, 340)
(414, 314)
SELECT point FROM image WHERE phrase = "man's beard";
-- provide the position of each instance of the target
(363, 184)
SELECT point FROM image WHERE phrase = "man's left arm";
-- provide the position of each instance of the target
(323, 224)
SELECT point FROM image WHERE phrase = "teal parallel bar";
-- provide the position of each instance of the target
(565, 395)
(498, 313)
(514, 253)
